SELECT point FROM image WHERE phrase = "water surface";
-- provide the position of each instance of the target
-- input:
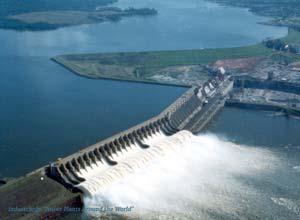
(245, 166)
(46, 112)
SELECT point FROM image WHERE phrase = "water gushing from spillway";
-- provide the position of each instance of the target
(99, 177)
(189, 177)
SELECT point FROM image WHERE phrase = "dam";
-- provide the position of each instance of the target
(92, 169)
(190, 113)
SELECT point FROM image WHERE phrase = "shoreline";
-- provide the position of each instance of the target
(154, 62)
(288, 16)
(83, 65)
(54, 19)
(115, 79)
(34, 189)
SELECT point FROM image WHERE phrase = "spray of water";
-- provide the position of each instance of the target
(188, 177)
(98, 177)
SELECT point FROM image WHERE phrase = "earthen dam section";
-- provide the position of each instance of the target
(61, 183)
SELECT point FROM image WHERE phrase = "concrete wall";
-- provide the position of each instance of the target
(192, 111)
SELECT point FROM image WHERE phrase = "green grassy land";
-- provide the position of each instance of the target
(67, 18)
(15, 7)
(140, 66)
(167, 58)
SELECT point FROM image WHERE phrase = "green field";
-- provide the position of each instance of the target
(140, 66)
(166, 58)
(143, 66)
(10, 8)
(68, 17)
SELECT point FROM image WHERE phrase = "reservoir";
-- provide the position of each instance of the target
(46, 112)
(245, 166)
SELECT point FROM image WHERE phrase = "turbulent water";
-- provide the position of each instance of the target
(198, 177)
(101, 175)
(43, 107)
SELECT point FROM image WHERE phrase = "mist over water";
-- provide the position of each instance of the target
(206, 177)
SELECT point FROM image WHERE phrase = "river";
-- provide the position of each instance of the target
(46, 112)
(246, 165)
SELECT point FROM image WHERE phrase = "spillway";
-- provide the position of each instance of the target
(100, 176)
(205, 177)
(98, 166)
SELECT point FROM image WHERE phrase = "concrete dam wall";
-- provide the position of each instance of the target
(94, 167)
(61, 183)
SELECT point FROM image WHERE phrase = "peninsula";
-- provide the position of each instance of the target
(272, 67)
(183, 67)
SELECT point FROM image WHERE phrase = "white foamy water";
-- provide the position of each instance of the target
(191, 177)
(100, 176)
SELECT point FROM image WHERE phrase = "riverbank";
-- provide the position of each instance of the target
(49, 15)
(194, 67)
(56, 112)
(283, 13)
(57, 19)
(14, 7)
(181, 67)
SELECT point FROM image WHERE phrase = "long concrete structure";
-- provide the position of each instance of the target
(192, 112)
(56, 185)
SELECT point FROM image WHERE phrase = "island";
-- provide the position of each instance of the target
(53, 14)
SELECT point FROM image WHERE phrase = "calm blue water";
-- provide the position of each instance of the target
(190, 24)
(47, 112)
